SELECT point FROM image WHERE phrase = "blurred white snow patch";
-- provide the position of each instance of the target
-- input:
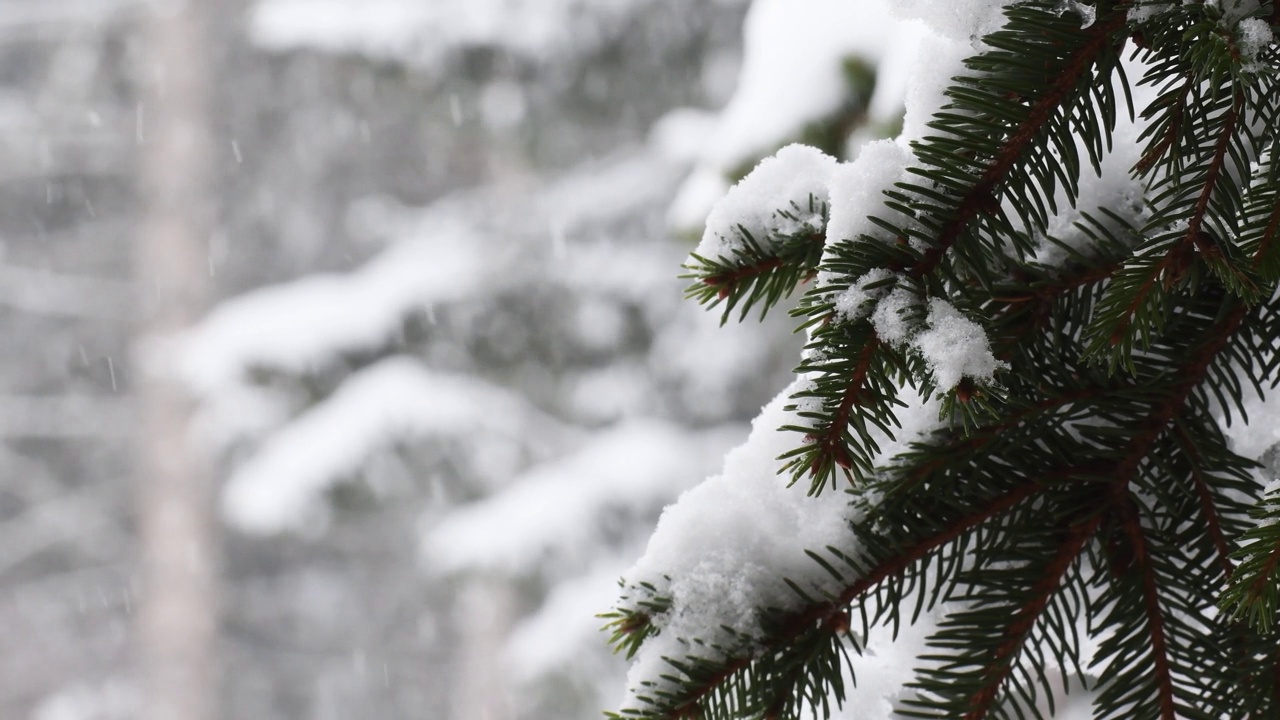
(781, 196)
(622, 270)
(502, 104)
(939, 60)
(681, 134)
(857, 188)
(299, 326)
(1261, 432)
(611, 392)
(552, 640)
(544, 516)
(955, 347)
(112, 700)
(962, 20)
(710, 362)
(425, 33)
(781, 90)
(698, 194)
(282, 486)
(630, 182)
(599, 324)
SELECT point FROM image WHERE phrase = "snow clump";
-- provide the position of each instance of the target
(783, 195)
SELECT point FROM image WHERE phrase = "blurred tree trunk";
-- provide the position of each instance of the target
(485, 613)
(178, 610)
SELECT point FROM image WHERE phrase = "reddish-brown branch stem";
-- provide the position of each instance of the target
(1265, 574)
(1179, 257)
(1025, 619)
(1152, 156)
(1207, 505)
(1214, 170)
(1151, 603)
(833, 439)
(726, 281)
(1272, 230)
(1192, 375)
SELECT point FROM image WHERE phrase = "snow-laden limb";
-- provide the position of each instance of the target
(782, 92)
(282, 487)
(47, 293)
(560, 641)
(302, 326)
(735, 543)
(786, 194)
(558, 513)
(424, 33)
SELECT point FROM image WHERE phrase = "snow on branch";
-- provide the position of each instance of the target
(782, 92)
(281, 487)
(423, 33)
(299, 327)
(560, 512)
(750, 531)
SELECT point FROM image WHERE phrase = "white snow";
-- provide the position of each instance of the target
(782, 91)
(282, 486)
(1144, 11)
(424, 33)
(1088, 13)
(856, 302)
(552, 513)
(888, 320)
(857, 188)
(955, 347)
(723, 549)
(794, 181)
(1254, 34)
(965, 21)
(301, 326)
(939, 60)
(1254, 438)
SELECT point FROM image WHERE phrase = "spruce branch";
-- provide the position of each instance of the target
(1127, 511)
(1204, 494)
(760, 272)
(1254, 592)
(1066, 489)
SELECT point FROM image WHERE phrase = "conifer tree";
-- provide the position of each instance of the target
(1035, 323)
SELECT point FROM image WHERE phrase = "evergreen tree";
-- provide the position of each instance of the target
(1035, 325)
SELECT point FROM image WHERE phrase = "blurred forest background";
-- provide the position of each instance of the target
(427, 308)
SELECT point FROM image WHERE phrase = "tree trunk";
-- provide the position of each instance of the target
(178, 609)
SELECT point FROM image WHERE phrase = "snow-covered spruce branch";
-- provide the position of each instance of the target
(1032, 420)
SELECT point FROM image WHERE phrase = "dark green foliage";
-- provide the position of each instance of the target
(1091, 479)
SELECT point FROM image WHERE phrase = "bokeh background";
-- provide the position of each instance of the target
(368, 313)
